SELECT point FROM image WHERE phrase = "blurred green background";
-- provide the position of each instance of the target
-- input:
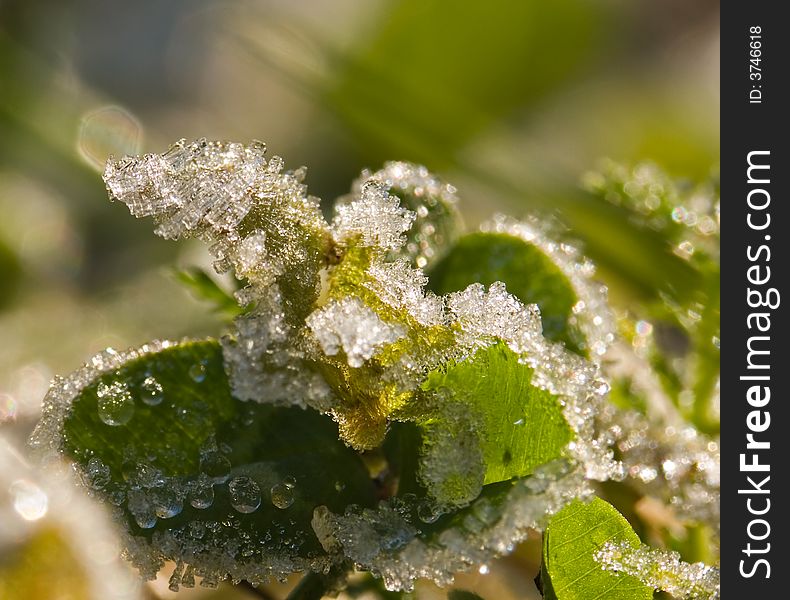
(511, 101)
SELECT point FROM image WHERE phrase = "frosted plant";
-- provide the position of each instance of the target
(679, 335)
(675, 463)
(669, 356)
(480, 393)
(661, 570)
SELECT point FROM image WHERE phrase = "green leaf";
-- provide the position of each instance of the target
(527, 272)
(178, 427)
(205, 288)
(570, 541)
(514, 425)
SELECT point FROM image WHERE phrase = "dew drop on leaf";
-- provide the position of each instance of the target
(115, 403)
(141, 509)
(428, 512)
(151, 392)
(215, 465)
(167, 503)
(198, 372)
(245, 495)
(97, 474)
(282, 495)
(202, 492)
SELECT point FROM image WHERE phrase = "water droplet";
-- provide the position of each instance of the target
(289, 482)
(520, 421)
(97, 474)
(147, 476)
(198, 372)
(339, 486)
(115, 403)
(216, 466)
(282, 495)
(141, 509)
(484, 570)
(151, 392)
(202, 493)
(428, 512)
(602, 387)
(166, 503)
(245, 495)
(30, 501)
(145, 520)
(116, 496)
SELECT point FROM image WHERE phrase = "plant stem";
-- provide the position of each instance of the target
(311, 587)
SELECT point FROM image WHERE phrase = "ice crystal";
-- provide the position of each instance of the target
(351, 326)
(262, 224)
(337, 318)
(402, 287)
(371, 306)
(376, 218)
(437, 222)
(662, 570)
(202, 182)
(591, 313)
(677, 464)
(452, 464)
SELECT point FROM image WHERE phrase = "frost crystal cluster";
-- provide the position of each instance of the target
(662, 570)
(339, 318)
(346, 300)
(677, 464)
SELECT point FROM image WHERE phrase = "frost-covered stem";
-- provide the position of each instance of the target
(310, 587)
(314, 586)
